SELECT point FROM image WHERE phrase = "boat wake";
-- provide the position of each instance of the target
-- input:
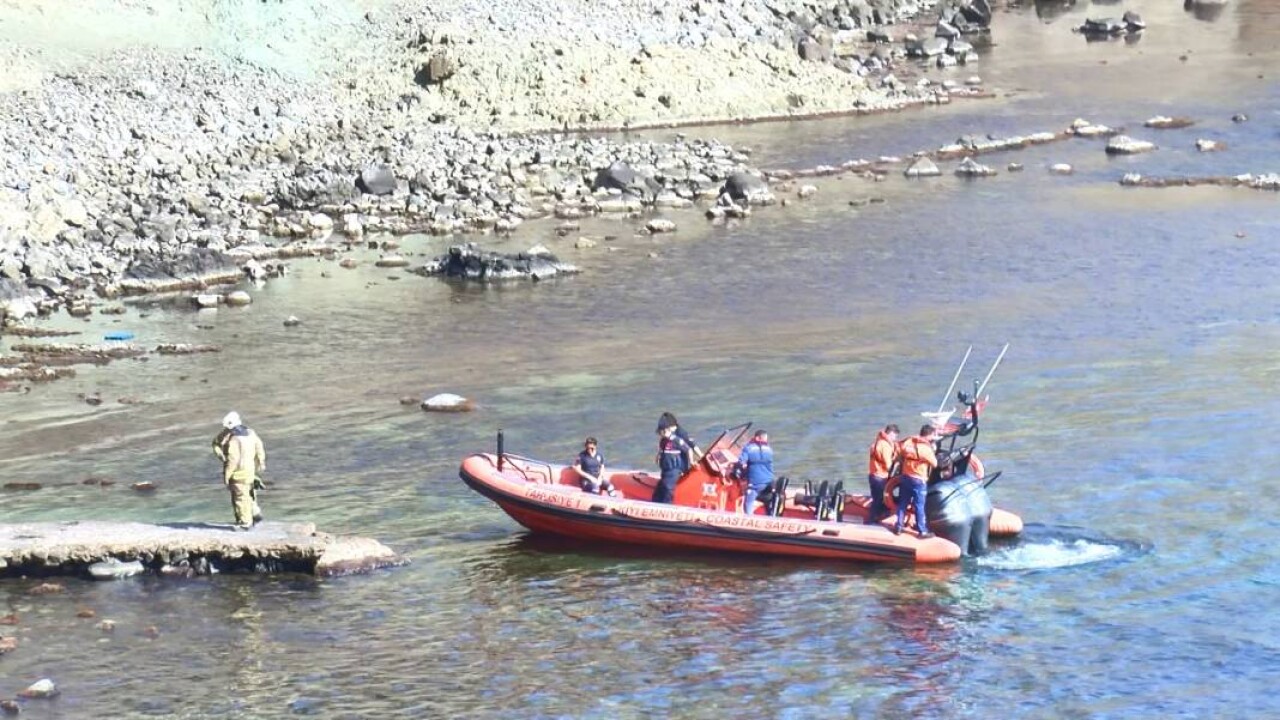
(1042, 547)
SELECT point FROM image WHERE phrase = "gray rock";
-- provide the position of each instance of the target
(376, 180)
(972, 168)
(745, 187)
(922, 167)
(1125, 145)
(447, 402)
(115, 569)
(17, 301)
(439, 68)
(471, 263)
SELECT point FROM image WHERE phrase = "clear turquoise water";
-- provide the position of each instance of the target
(1133, 419)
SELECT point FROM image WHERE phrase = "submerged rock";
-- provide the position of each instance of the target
(115, 569)
(1125, 145)
(972, 168)
(922, 167)
(448, 402)
(1164, 122)
(748, 188)
(44, 688)
(471, 263)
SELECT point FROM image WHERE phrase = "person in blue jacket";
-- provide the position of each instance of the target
(673, 461)
(755, 465)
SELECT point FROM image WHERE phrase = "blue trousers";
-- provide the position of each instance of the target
(878, 509)
(665, 490)
(749, 498)
(913, 490)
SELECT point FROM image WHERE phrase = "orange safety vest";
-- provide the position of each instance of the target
(918, 458)
(883, 452)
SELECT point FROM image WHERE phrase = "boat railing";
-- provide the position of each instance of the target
(534, 471)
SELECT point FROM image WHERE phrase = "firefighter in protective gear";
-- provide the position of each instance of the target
(918, 462)
(884, 453)
(244, 458)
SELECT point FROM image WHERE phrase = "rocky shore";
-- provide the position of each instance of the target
(137, 168)
(107, 550)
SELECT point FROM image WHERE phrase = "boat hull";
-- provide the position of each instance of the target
(545, 499)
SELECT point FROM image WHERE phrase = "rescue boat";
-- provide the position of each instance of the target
(821, 521)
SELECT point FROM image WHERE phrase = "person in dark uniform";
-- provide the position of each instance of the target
(590, 468)
(695, 452)
(673, 461)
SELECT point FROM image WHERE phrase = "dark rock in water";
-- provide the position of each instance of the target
(1102, 26)
(621, 176)
(1133, 21)
(1206, 10)
(377, 180)
(470, 262)
(743, 186)
(977, 12)
(155, 273)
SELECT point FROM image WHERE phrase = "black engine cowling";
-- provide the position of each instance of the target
(959, 510)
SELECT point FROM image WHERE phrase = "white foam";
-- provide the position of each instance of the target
(1050, 554)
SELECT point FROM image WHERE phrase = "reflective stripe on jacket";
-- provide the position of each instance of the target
(245, 456)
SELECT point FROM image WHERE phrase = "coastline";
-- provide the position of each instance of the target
(116, 166)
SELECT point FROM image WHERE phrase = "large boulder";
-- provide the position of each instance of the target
(469, 262)
(377, 180)
(922, 167)
(746, 187)
(439, 68)
(199, 267)
(17, 301)
(621, 176)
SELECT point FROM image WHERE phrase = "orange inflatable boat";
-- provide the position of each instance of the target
(706, 512)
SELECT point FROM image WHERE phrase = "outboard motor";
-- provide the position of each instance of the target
(959, 510)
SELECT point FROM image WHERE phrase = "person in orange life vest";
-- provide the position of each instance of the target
(673, 461)
(884, 452)
(918, 461)
(590, 468)
(755, 465)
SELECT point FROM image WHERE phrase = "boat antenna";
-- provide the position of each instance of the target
(947, 395)
(991, 372)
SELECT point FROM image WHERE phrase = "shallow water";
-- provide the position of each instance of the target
(1130, 418)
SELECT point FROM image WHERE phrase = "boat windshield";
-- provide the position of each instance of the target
(724, 452)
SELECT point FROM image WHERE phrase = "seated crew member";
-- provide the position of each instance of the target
(884, 453)
(918, 461)
(756, 467)
(590, 468)
(673, 462)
